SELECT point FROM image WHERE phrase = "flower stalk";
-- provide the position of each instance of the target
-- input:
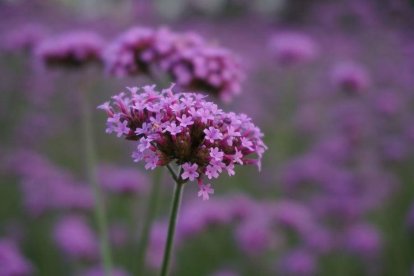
(90, 162)
(179, 185)
(149, 218)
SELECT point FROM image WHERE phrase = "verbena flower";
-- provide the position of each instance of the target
(297, 262)
(12, 262)
(123, 181)
(350, 76)
(75, 238)
(24, 38)
(185, 57)
(46, 187)
(74, 49)
(170, 127)
(290, 48)
(138, 49)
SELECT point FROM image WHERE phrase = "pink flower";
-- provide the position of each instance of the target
(213, 134)
(190, 61)
(205, 191)
(216, 154)
(190, 171)
(75, 49)
(292, 48)
(185, 121)
(199, 136)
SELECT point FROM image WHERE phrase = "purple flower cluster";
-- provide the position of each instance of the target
(185, 128)
(24, 38)
(292, 48)
(190, 61)
(75, 49)
(259, 227)
(46, 187)
(122, 181)
(350, 77)
(75, 238)
(11, 260)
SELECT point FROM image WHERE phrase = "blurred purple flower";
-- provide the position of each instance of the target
(297, 262)
(185, 57)
(389, 102)
(125, 181)
(255, 236)
(291, 48)
(12, 262)
(350, 76)
(75, 238)
(198, 216)
(23, 38)
(156, 245)
(363, 240)
(46, 187)
(74, 49)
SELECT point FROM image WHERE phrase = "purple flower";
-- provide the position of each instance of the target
(24, 38)
(123, 181)
(255, 235)
(75, 238)
(69, 50)
(185, 121)
(189, 171)
(138, 49)
(161, 138)
(350, 76)
(12, 262)
(212, 69)
(213, 134)
(292, 48)
(185, 57)
(46, 187)
(156, 245)
(297, 262)
(363, 240)
(205, 191)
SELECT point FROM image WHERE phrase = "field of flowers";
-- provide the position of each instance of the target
(206, 137)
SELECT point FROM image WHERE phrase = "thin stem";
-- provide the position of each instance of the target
(179, 184)
(90, 161)
(174, 176)
(149, 217)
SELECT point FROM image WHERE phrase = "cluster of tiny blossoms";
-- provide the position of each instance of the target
(74, 49)
(187, 129)
(190, 61)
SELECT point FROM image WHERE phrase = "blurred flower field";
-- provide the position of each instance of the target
(294, 153)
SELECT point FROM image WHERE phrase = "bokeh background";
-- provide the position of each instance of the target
(330, 83)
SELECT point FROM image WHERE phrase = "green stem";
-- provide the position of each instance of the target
(179, 184)
(149, 217)
(90, 160)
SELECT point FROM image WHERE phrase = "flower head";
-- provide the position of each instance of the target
(205, 191)
(293, 48)
(12, 262)
(138, 49)
(350, 77)
(150, 120)
(24, 38)
(74, 49)
(189, 60)
(75, 238)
